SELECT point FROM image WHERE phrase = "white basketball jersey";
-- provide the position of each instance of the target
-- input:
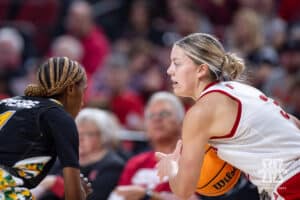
(264, 142)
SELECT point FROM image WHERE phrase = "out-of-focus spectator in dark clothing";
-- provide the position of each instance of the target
(267, 66)
(290, 56)
(278, 83)
(98, 131)
(294, 31)
(80, 24)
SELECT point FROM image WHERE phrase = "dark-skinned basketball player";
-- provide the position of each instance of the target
(38, 127)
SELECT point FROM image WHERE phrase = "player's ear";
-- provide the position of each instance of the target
(202, 70)
(70, 89)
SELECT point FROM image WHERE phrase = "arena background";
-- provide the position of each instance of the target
(124, 46)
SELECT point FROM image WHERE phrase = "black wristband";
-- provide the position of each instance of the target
(148, 195)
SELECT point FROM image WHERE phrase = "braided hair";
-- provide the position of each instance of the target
(54, 75)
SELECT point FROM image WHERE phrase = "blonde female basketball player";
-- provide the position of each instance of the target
(248, 129)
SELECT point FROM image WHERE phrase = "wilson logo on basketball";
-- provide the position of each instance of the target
(222, 183)
(216, 176)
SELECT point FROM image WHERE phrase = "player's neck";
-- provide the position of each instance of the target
(202, 87)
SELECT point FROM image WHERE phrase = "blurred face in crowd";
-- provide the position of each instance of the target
(89, 138)
(162, 123)
(79, 19)
(10, 57)
(139, 15)
(187, 20)
(117, 77)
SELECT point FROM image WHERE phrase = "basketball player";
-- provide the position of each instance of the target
(38, 127)
(248, 129)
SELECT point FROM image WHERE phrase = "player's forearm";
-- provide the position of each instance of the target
(182, 186)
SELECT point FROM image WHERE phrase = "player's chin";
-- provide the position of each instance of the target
(178, 92)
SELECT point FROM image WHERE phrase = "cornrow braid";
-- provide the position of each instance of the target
(54, 75)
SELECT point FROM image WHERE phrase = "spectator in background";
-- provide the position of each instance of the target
(187, 19)
(140, 57)
(98, 159)
(267, 67)
(110, 89)
(163, 118)
(11, 61)
(246, 36)
(141, 24)
(68, 46)
(80, 24)
(19, 83)
(274, 27)
(11, 49)
(290, 62)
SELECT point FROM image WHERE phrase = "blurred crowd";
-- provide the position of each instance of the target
(124, 46)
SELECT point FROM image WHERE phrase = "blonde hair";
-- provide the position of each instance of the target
(206, 49)
(54, 75)
(254, 26)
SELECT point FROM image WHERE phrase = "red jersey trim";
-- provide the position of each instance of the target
(208, 86)
(238, 117)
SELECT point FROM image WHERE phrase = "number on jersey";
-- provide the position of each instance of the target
(4, 117)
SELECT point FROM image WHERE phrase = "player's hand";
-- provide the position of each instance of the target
(131, 192)
(86, 185)
(168, 163)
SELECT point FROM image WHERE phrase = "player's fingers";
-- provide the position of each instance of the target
(160, 175)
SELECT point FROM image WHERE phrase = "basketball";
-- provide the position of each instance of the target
(217, 176)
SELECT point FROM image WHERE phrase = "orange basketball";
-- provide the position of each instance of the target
(217, 176)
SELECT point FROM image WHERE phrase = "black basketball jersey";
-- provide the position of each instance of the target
(33, 132)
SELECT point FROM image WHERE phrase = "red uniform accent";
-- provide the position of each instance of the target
(263, 97)
(238, 116)
(229, 86)
(143, 163)
(290, 189)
